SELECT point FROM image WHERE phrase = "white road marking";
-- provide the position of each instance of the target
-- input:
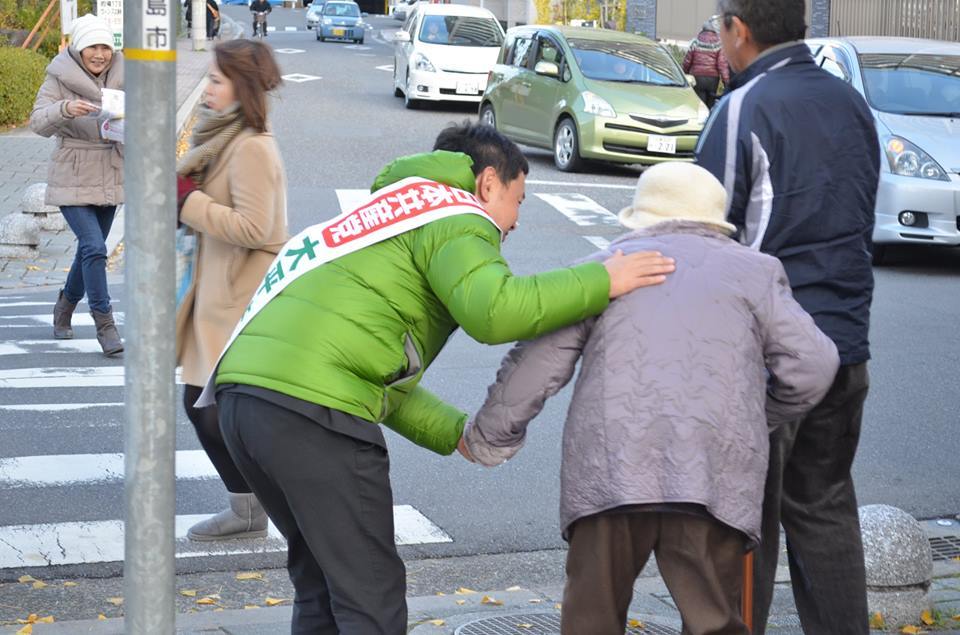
(579, 185)
(46, 319)
(386, 67)
(271, 29)
(289, 29)
(599, 241)
(64, 470)
(5, 305)
(582, 210)
(299, 78)
(34, 347)
(66, 543)
(57, 407)
(93, 377)
(357, 47)
(289, 51)
(351, 199)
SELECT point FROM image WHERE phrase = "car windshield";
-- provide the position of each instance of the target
(341, 10)
(627, 62)
(913, 84)
(458, 30)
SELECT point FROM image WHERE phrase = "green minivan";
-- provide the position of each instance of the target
(592, 94)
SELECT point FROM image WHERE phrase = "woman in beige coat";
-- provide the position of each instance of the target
(231, 192)
(85, 175)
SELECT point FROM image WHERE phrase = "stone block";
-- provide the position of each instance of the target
(19, 230)
(49, 215)
(899, 564)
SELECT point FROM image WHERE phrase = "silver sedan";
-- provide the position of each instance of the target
(913, 89)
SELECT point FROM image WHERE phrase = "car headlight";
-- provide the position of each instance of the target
(594, 104)
(421, 63)
(907, 159)
(359, 23)
(703, 113)
(328, 21)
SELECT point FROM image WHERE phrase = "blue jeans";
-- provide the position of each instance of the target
(88, 274)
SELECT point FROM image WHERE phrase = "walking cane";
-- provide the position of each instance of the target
(746, 606)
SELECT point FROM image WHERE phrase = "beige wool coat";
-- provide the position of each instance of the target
(240, 216)
(84, 168)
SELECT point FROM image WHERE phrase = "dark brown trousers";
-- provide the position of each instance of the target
(700, 559)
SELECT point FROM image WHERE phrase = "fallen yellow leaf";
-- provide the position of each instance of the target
(39, 585)
(441, 593)
(558, 606)
(45, 620)
(436, 622)
(491, 601)
(250, 575)
(115, 601)
(33, 268)
(956, 617)
(218, 610)
(910, 630)
(535, 601)
(877, 622)
(206, 601)
(188, 593)
(26, 630)
(927, 618)
(30, 619)
(250, 606)
(26, 578)
(461, 602)
(524, 625)
(274, 601)
(464, 591)
(635, 624)
(101, 616)
(514, 588)
(69, 584)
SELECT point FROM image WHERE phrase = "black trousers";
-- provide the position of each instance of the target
(810, 492)
(330, 496)
(207, 425)
(706, 89)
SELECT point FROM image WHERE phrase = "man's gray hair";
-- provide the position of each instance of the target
(771, 22)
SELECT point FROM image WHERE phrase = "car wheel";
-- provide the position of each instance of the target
(410, 103)
(566, 147)
(879, 255)
(487, 117)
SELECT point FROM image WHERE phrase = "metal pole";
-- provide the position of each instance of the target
(149, 442)
(198, 24)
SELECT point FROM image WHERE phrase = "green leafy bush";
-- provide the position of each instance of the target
(22, 72)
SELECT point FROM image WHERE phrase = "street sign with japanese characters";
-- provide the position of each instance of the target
(157, 23)
(112, 12)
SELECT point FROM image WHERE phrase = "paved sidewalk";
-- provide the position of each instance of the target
(23, 161)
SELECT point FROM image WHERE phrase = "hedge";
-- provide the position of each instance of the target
(22, 71)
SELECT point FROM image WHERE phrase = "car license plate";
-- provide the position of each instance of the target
(467, 88)
(665, 145)
(338, 32)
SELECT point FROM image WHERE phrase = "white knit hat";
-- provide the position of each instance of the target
(89, 30)
(677, 191)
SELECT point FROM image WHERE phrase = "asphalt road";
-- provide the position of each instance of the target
(336, 129)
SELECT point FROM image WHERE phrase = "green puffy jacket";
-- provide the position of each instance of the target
(357, 333)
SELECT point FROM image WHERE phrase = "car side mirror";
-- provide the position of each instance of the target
(547, 69)
(401, 36)
(691, 80)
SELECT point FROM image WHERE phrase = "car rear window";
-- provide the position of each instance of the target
(458, 30)
(626, 62)
(341, 10)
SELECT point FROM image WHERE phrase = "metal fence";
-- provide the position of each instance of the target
(934, 19)
(680, 20)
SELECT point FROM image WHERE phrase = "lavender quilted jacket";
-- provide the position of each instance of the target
(678, 385)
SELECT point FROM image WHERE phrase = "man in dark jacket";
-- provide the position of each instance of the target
(258, 6)
(705, 61)
(797, 151)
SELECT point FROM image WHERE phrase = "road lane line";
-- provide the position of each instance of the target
(73, 377)
(79, 319)
(54, 544)
(611, 186)
(56, 407)
(37, 347)
(64, 470)
(582, 210)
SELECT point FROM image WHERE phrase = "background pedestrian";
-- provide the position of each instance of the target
(85, 175)
(706, 62)
(232, 193)
(798, 151)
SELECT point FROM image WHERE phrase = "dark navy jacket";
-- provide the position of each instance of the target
(797, 151)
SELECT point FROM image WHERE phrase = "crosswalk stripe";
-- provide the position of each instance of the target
(599, 241)
(34, 347)
(55, 407)
(46, 319)
(54, 544)
(581, 209)
(62, 470)
(79, 377)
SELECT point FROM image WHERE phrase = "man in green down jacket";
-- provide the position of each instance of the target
(344, 346)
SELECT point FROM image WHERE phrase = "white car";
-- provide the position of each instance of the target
(444, 52)
(400, 8)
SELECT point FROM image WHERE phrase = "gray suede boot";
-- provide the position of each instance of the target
(244, 519)
(107, 333)
(62, 314)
